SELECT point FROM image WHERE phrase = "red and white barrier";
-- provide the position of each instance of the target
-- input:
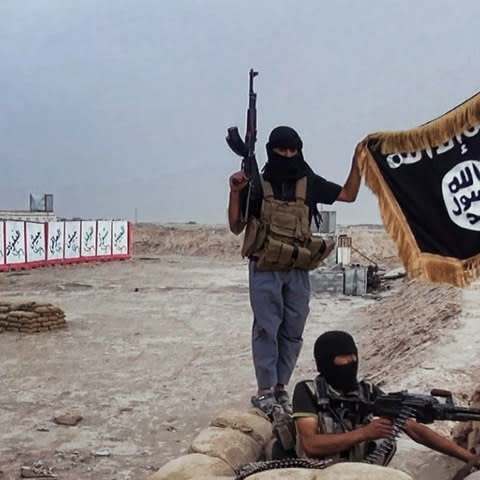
(29, 244)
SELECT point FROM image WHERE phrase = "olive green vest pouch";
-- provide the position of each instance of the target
(303, 258)
(281, 239)
(285, 224)
(317, 248)
(254, 238)
(276, 255)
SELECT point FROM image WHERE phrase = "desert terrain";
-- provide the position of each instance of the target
(156, 345)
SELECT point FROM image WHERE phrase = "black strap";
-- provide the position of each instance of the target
(321, 392)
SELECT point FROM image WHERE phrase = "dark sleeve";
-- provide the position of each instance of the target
(303, 402)
(320, 190)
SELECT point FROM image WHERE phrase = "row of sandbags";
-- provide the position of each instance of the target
(235, 438)
(31, 317)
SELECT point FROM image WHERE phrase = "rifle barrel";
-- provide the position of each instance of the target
(461, 414)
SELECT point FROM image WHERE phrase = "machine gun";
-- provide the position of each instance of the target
(424, 408)
(400, 406)
(246, 149)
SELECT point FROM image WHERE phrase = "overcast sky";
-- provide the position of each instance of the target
(120, 108)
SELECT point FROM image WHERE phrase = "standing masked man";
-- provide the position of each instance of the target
(281, 250)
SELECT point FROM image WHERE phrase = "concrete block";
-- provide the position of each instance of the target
(330, 281)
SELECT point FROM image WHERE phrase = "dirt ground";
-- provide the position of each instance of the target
(157, 345)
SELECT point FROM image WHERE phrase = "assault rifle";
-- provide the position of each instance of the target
(424, 408)
(246, 149)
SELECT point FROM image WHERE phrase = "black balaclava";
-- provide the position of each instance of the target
(278, 168)
(327, 347)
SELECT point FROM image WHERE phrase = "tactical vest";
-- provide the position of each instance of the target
(340, 420)
(281, 238)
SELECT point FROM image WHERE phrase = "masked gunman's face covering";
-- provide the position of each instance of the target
(280, 168)
(285, 152)
(342, 377)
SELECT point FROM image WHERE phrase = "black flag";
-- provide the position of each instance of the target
(427, 181)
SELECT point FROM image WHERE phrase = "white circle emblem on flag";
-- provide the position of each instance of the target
(461, 194)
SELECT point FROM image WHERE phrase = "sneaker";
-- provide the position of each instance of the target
(265, 402)
(282, 398)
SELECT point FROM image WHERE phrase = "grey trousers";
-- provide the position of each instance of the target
(280, 308)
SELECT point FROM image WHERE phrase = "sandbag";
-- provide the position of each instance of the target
(259, 428)
(339, 471)
(194, 466)
(473, 476)
(467, 434)
(230, 445)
